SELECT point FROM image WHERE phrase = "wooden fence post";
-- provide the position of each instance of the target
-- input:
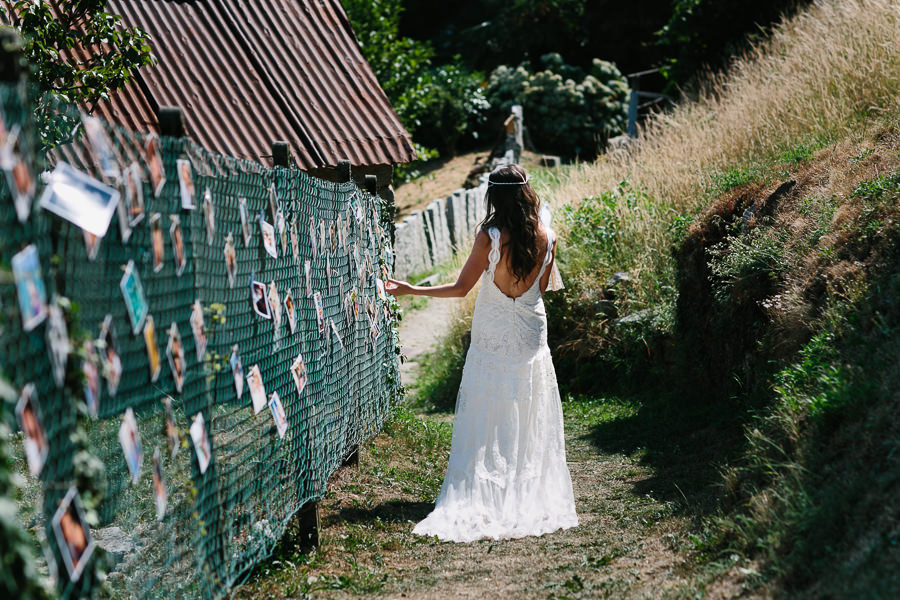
(171, 121)
(281, 154)
(343, 170)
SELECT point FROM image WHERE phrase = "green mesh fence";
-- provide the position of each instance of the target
(217, 524)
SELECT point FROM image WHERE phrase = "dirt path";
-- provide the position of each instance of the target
(420, 330)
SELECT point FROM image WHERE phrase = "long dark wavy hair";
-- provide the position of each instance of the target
(514, 206)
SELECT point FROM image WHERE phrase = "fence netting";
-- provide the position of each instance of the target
(209, 388)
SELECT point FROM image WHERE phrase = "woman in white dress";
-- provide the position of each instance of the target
(507, 475)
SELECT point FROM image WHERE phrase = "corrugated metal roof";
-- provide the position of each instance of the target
(249, 72)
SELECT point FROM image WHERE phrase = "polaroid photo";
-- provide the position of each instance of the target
(298, 372)
(274, 205)
(28, 414)
(201, 442)
(307, 272)
(130, 440)
(20, 179)
(274, 304)
(259, 298)
(91, 245)
(354, 302)
(320, 311)
(73, 535)
(209, 216)
(230, 260)
(281, 228)
(153, 359)
(7, 160)
(268, 236)
(245, 220)
(173, 438)
(131, 204)
(57, 341)
(101, 145)
(135, 300)
(332, 237)
(322, 240)
(295, 240)
(178, 249)
(108, 347)
(175, 354)
(379, 289)
(160, 493)
(312, 236)
(237, 371)
(197, 328)
(91, 374)
(328, 272)
(278, 414)
(157, 242)
(26, 268)
(340, 287)
(340, 231)
(80, 199)
(337, 335)
(257, 389)
(186, 183)
(155, 166)
(290, 309)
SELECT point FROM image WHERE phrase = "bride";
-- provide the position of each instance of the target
(507, 475)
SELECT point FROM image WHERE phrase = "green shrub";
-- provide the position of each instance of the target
(567, 111)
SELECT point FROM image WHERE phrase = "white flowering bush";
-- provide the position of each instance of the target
(567, 111)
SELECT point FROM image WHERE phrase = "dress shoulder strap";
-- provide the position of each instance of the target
(494, 254)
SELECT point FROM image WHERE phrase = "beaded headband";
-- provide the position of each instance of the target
(490, 183)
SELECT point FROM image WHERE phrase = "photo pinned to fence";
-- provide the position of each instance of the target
(186, 183)
(135, 300)
(73, 535)
(312, 237)
(30, 418)
(290, 309)
(153, 357)
(268, 237)
(237, 371)
(308, 275)
(157, 243)
(295, 240)
(178, 250)
(173, 437)
(91, 373)
(259, 298)
(281, 228)
(198, 330)
(320, 311)
(257, 389)
(230, 260)
(80, 199)
(202, 446)
(19, 178)
(175, 354)
(110, 362)
(160, 491)
(245, 221)
(91, 244)
(299, 374)
(274, 205)
(58, 344)
(130, 440)
(155, 167)
(209, 216)
(101, 146)
(277, 409)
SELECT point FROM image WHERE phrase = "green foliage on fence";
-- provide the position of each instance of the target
(223, 517)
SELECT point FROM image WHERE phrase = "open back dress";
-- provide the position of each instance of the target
(507, 476)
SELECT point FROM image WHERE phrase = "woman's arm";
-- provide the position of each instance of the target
(471, 271)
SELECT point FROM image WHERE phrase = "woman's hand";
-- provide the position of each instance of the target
(397, 288)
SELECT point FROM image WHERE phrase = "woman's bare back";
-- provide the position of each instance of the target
(506, 281)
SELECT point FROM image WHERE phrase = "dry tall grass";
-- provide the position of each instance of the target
(821, 75)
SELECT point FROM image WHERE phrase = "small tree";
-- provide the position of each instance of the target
(78, 51)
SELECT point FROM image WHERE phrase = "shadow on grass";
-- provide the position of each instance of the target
(392, 511)
(684, 445)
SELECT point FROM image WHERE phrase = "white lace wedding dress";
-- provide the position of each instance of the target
(507, 476)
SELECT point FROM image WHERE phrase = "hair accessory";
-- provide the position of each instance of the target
(490, 183)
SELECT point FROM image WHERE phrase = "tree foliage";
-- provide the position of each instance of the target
(78, 51)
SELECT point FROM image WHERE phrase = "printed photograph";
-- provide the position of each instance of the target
(157, 242)
(337, 335)
(175, 354)
(259, 300)
(20, 179)
(245, 220)
(135, 300)
(80, 199)
(178, 250)
(209, 216)
(57, 341)
(268, 237)
(307, 272)
(274, 206)
(32, 294)
(197, 329)
(278, 414)
(328, 272)
(130, 440)
(160, 493)
(295, 240)
(153, 360)
(91, 374)
(155, 166)
(322, 240)
(201, 442)
(281, 228)
(332, 237)
(257, 389)
(186, 183)
(230, 260)
(379, 289)
(73, 535)
(274, 304)
(290, 309)
(298, 372)
(108, 347)
(320, 311)
(173, 437)
(91, 244)
(131, 204)
(28, 414)
(237, 371)
(312, 236)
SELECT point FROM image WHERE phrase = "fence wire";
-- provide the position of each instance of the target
(213, 522)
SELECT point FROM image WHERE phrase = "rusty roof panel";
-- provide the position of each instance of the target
(249, 72)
